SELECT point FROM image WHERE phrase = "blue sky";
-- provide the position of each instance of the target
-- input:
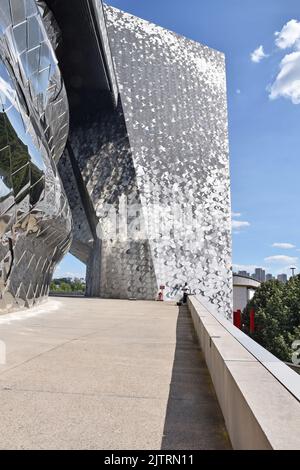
(264, 133)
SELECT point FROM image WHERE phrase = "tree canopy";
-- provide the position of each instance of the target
(66, 284)
(277, 316)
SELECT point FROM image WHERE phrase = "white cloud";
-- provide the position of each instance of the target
(238, 91)
(289, 35)
(258, 55)
(282, 259)
(287, 83)
(284, 246)
(237, 224)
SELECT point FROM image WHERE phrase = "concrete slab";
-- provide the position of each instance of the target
(106, 374)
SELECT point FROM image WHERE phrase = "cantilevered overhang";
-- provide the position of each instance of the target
(84, 56)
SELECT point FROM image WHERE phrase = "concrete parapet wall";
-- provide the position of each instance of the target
(259, 411)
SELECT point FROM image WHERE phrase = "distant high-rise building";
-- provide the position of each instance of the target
(260, 275)
(243, 273)
(282, 278)
(269, 277)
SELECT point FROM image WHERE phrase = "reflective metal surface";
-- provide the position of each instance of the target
(155, 169)
(35, 220)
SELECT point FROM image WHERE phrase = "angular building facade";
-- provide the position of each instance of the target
(145, 169)
(35, 219)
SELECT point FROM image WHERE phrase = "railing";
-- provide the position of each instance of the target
(259, 395)
(279, 369)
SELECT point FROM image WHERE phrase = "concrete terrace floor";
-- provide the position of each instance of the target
(106, 374)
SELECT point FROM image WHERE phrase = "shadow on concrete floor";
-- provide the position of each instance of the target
(193, 418)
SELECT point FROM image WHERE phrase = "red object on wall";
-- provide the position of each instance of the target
(237, 319)
(160, 296)
(252, 320)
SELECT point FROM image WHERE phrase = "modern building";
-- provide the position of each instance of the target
(243, 273)
(282, 278)
(269, 277)
(35, 218)
(243, 290)
(145, 170)
(259, 275)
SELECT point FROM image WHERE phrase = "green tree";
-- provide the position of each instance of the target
(65, 287)
(77, 285)
(277, 316)
(66, 284)
(53, 287)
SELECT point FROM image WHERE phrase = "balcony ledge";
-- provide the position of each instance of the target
(259, 395)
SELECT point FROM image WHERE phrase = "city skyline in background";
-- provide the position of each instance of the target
(261, 275)
(263, 87)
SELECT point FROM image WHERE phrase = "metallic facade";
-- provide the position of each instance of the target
(156, 169)
(144, 163)
(173, 93)
(35, 219)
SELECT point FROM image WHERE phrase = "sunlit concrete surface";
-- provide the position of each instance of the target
(105, 374)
